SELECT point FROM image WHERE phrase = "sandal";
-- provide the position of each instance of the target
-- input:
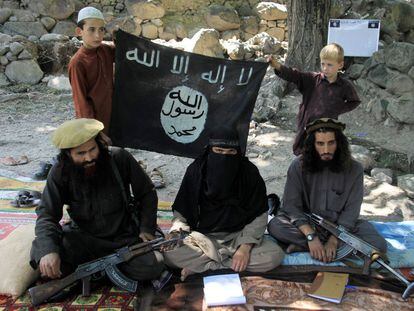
(157, 179)
(12, 161)
(26, 198)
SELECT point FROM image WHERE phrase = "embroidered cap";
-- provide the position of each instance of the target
(324, 123)
(75, 132)
(89, 12)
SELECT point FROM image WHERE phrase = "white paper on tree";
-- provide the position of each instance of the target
(358, 37)
(224, 289)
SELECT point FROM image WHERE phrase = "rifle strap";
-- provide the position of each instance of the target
(125, 195)
(119, 180)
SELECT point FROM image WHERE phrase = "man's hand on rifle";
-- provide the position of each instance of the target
(317, 250)
(330, 248)
(49, 266)
(172, 235)
(146, 237)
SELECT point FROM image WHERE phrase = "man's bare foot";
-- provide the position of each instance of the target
(184, 273)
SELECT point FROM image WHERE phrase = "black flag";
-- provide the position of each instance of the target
(168, 101)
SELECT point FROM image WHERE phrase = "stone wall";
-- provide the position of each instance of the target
(39, 34)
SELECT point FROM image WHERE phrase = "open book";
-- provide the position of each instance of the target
(224, 289)
(329, 286)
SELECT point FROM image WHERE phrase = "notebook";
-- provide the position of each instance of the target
(224, 289)
(329, 286)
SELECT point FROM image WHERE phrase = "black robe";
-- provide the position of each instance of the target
(230, 215)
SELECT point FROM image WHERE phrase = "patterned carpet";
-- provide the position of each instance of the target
(262, 294)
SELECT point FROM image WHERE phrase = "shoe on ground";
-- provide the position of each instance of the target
(43, 171)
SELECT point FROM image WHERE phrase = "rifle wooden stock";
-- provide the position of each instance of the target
(40, 293)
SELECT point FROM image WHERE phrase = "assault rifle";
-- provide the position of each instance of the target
(370, 253)
(106, 264)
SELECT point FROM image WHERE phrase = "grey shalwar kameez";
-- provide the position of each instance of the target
(336, 196)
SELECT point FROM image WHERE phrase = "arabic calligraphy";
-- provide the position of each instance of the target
(183, 114)
(155, 55)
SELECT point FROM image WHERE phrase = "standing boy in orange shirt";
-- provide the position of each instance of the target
(91, 69)
(326, 94)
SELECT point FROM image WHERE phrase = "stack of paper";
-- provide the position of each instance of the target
(329, 286)
(223, 289)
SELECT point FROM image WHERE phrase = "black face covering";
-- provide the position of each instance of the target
(221, 173)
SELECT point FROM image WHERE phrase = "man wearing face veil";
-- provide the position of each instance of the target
(222, 205)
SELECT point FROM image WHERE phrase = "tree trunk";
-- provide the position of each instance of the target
(307, 31)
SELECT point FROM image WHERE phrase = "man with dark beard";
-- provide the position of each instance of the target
(94, 181)
(324, 180)
(222, 205)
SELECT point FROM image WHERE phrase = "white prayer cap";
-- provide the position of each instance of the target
(89, 12)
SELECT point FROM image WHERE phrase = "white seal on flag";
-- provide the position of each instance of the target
(184, 114)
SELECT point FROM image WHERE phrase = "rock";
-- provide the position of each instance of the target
(252, 155)
(24, 16)
(378, 170)
(249, 24)
(411, 73)
(59, 83)
(25, 54)
(24, 71)
(222, 18)
(402, 109)
(4, 60)
(33, 38)
(381, 74)
(339, 7)
(5, 39)
(234, 48)
(355, 71)
(48, 22)
(386, 201)
(231, 35)
(149, 30)
(4, 49)
(5, 13)
(271, 11)
(206, 42)
(16, 48)
(400, 56)
(269, 44)
(362, 155)
(3, 80)
(402, 13)
(157, 22)
(266, 108)
(381, 176)
(58, 9)
(149, 9)
(53, 37)
(66, 28)
(126, 23)
(24, 28)
(406, 182)
(278, 33)
(10, 56)
(181, 31)
(399, 84)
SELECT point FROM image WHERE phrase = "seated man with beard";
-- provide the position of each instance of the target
(324, 180)
(87, 178)
(222, 205)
